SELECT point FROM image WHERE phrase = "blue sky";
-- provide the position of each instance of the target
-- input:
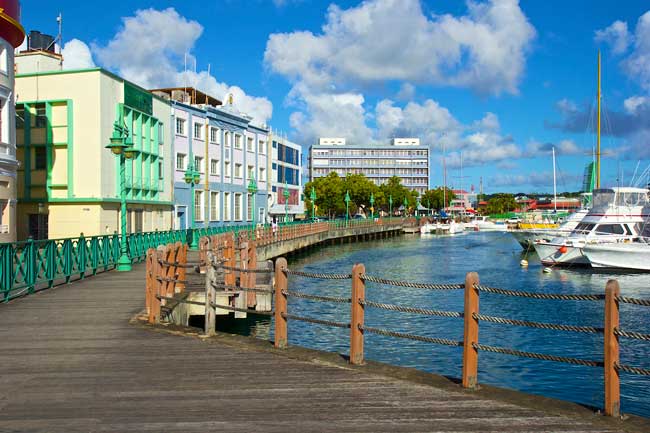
(499, 81)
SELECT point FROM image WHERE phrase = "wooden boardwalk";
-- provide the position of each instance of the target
(71, 361)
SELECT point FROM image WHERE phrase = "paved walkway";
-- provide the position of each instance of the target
(70, 361)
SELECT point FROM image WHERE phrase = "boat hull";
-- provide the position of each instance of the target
(619, 256)
(550, 254)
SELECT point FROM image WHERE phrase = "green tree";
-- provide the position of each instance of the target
(360, 188)
(501, 203)
(394, 188)
(436, 197)
(329, 195)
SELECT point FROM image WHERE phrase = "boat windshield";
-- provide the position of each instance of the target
(603, 197)
(583, 228)
(610, 229)
(632, 199)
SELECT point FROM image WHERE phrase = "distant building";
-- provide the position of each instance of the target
(11, 36)
(463, 201)
(286, 171)
(227, 149)
(405, 158)
(68, 182)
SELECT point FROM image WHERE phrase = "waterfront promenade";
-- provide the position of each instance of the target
(75, 360)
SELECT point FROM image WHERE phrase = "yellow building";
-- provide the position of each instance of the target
(68, 182)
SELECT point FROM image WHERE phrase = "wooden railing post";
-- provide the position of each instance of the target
(210, 295)
(280, 303)
(251, 297)
(612, 381)
(149, 279)
(156, 289)
(357, 314)
(470, 336)
(182, 271)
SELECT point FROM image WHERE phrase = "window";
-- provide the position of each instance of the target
(198, 164)
(214, 167)
(40, 158)
(180, 126)
(262, 177)
(261, 148)
(226, 136)
(251, 172)
(226, 168)
(160, 170)
(238, 198)
(197, 131)
(198, 205)
(180, 161)
(237, 141)
(226, 206)
(40, 116)
(607, 229)
(249, 207)
(214, 205)
(238, 170)
(249, 144)
(214, 135)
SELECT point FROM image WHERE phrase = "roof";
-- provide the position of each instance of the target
(196, 96)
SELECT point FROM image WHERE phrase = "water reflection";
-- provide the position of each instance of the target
(496, 257)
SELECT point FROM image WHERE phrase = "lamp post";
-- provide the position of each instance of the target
(122, 146)
(312, 197)
(406, 203)
(252, 189)
(372, 207)
(192, 177)
(286, 194)
(390, 206)
(347, 207)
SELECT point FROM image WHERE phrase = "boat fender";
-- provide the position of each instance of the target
(563, 249)
(548, 270)
(524, 263)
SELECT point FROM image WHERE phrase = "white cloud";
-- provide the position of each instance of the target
(616, 35)
(406, 92)
(562, 147)
(633, 103)
(151, 49)
(77, 55)
(379, 40)
(566, 106)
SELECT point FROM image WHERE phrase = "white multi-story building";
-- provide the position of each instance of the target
(286, 172)
(405, 158)
(11, 36)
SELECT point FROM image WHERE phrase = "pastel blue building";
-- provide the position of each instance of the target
(227, 155)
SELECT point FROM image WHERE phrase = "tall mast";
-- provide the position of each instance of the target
(554, 185)
(598, 130)
(444, 178)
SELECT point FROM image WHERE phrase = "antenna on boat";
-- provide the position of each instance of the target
(554, 185)
(598, 129)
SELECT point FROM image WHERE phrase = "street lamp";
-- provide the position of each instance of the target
(372, 208)
(406, 203)
(286, 193)
(347, 207)
(312, 197)
(390, 205)
(252, 189)
(121, 146)
(192, 177)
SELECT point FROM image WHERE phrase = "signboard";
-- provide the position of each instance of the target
(137, 99)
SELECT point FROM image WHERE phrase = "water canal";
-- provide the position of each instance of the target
(496, 257)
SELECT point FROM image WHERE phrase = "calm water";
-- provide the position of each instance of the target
(495, 256)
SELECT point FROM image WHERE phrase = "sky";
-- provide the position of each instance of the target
(495, 84)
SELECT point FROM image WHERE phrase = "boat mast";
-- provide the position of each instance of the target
(444, 177)
(554, 185)
(598, 129)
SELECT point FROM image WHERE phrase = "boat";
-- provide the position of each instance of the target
(450, 228)
(526, 238)
(621, 255)
(483, 224)
(617, 215)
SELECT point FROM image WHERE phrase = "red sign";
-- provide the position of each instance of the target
(10, 28)
(294, 196)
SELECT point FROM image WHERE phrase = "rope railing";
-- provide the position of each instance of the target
(634, 301)
(434, 340)
(406, 309)
(412, 284)
(540, 325)
(531, 295)
(320, 276)
(334, 299)
(540, 356)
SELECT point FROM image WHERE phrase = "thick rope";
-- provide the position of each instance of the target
(405, 309)
(540, 325)
(411, 284)
(170, 280)
(633, 370)
(318, 276)
(632, 334)
(180, 265)
(179, 300)
(533, 355)
(316, 321)
(386, 332)
(635, 301)
(556, 296)
(249, 271)
(316, 297)
(243, 310)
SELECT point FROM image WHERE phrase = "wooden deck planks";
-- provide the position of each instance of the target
(72, 362)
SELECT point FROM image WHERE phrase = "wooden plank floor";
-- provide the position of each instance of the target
(70, 361)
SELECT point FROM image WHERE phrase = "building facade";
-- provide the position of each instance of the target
(68, 182)
(11, 36)
(230, 154)
(286, 174)
(405, 158)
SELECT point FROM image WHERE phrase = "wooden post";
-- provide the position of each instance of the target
(470, 336)
(156, 289)
(251, 297)
(149, 280)
(357, 314)
(280, 304)
(612, 381)
(210, 296)
(170, 257)
(182, 271)
(229, 255)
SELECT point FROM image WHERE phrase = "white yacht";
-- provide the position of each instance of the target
(482, 224)
(617, 215)
(450, 228)
(620, 255)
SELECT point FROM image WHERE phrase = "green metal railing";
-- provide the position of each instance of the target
(30, 266)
